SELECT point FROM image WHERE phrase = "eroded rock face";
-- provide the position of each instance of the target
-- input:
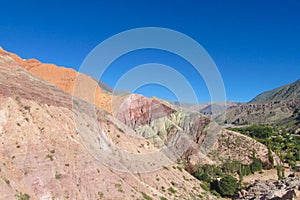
(207, 142)
(285, 189)
(149, 114)
(137, 110)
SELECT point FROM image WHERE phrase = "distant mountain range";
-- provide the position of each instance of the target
(286, 92)
(279, 107)
(210, 108)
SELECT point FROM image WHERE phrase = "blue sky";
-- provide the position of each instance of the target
(255, 44)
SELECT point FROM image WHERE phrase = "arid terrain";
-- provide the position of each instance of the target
(61, 144)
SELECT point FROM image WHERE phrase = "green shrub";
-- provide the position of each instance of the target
(227, 186)
(172, 190)
(145, 196)
(214, 192)
(256, 165)
(202, 176)
(50, 156)
(101, 195)
(231, 167)
(270, 156)
(298, 154)
(179, 168)
(22, 196)
(205, 186)
(57, 175)
(6, 181)
(246, 170)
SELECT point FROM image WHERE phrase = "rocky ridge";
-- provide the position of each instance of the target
(286, 92)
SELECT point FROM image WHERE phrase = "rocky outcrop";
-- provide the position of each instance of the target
(285, 189)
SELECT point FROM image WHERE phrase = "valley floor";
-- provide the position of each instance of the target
(267, 175)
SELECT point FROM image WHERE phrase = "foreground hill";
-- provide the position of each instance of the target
(54, 145)
(43, 155)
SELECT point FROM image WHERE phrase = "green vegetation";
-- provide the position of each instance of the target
(280, 172)
(27, 108)
(101, 195)
(6, 181)
(256, 165)
(50, 156)
(219, 180)
(217, 194)
(227, 186)
(57, 175)
(145, 196)
(284, 144)
(22, 196)
(172, 190)
(119, 187)
(180, 169)
(205, 186)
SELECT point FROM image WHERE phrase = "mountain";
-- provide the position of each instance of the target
(211, 108)
(55, 145)
(44, 156)
(286, 92)
(279, 107)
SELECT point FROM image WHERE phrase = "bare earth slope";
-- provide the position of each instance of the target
(43, 155)
(64, 79)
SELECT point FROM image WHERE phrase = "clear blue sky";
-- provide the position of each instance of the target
(254, 43)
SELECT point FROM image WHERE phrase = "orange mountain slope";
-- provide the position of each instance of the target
(64, 79)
